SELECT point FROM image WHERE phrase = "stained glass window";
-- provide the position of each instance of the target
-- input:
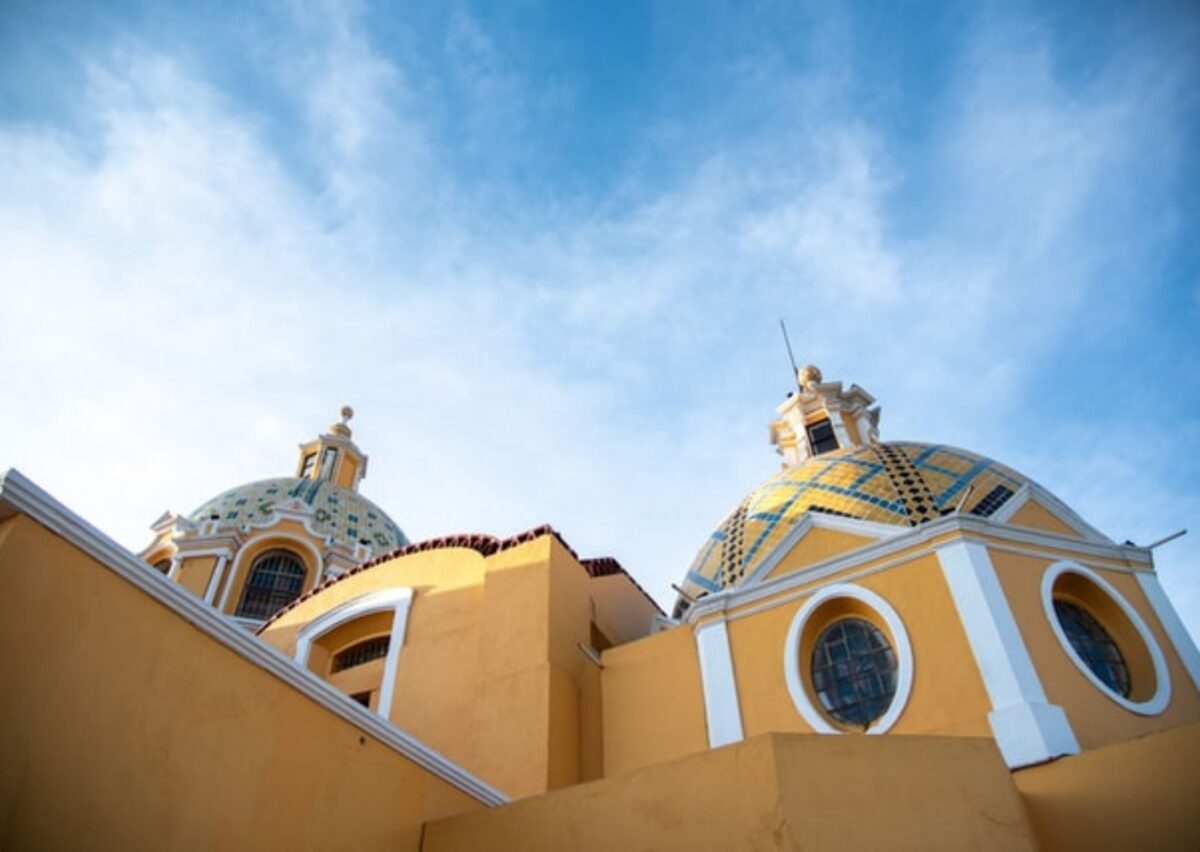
(1093, 644)
(854, 671)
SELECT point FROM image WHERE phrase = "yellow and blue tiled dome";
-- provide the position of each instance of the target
(899, 483)
(344, 515)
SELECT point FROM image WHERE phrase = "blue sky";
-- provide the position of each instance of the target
(542, 248)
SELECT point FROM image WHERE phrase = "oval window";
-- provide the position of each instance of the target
(848, 663)
(1093, 645)
(854, 671)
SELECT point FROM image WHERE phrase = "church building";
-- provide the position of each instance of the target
(886, 644)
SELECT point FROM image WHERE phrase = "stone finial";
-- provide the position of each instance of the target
(341, 427)
(808, 375)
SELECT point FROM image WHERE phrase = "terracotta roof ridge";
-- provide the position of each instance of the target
(483, 544)
(606, 566)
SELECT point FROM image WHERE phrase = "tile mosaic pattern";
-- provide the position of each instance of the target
(898, 483)
(339, 512)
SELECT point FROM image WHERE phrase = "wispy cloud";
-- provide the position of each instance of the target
(192, 292)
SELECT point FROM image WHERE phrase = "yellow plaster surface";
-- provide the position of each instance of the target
(1137, 794)
(117, 742)
(1034, 515)
(1096, 719)
(195, 572)
(779, 792)
(816, 545)
(653, 704)
(948, 696)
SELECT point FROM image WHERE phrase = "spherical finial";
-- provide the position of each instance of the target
(807, 375)
(347, 413)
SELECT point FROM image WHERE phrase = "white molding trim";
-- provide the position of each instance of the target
(721, 711)
(24, 496)
(311, 578)
(965, 524)
(1152, 706)
(397, 600)
(1026, 727)
(901, 645)
(1185, 648)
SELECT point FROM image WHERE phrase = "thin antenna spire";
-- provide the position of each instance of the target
(792, 358)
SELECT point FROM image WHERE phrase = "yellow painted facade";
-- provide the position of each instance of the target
(885, 645)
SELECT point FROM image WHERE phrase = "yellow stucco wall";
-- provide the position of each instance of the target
(653, 703)
(772, 793)
(816, 545)
(131, 729)
(490, 673)
(948, 696)
(195, 572)
(1138, 794)
(1034, 515)
(1095, 718)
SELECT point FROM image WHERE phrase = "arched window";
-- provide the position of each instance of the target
(276, 579)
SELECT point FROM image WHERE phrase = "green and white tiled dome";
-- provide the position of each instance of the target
(346, 516)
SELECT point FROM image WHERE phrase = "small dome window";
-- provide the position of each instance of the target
(992, 501)
(276, 579)
(821, 437)
(1094, 646)
(854, 671)
(328, 461)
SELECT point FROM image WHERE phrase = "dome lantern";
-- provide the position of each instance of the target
(821, 417)
(333, 456)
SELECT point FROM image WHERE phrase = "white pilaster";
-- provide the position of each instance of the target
(214, 582)
(723, 716)
(1027, 728)
(1181, 640)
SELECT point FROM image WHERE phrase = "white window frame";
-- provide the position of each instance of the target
(1158, 702)
(396, 600)
(900, 644)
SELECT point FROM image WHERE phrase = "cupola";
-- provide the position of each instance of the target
(333, 456)
(821, 417)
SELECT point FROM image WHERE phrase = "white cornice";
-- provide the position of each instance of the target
(21, 495)
(971, 526)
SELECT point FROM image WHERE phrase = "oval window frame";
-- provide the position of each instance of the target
(894, 630)
(1161, 698)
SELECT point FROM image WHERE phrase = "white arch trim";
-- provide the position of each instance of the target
(899, 636)
(396, 600)
(308, 547)
(1162, 680)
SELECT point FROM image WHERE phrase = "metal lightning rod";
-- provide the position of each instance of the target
(792, 358)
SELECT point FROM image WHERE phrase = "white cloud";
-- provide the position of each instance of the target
(185, 308)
